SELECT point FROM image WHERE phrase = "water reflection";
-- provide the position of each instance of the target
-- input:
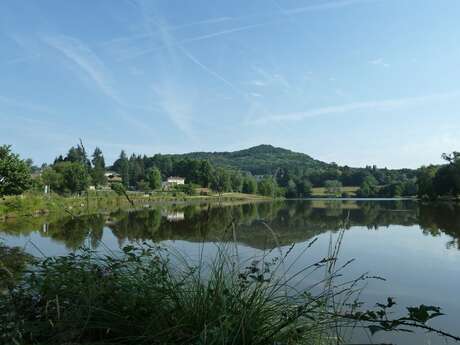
(252, 224)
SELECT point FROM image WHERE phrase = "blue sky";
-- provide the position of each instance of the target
(352, 81)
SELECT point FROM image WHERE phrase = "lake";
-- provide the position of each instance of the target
(414, 246)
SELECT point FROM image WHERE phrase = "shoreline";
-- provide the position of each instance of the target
(38, 206)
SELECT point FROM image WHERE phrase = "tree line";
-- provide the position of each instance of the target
(440, 181)
(76, 171)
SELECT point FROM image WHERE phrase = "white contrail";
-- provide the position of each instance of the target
(356, 106)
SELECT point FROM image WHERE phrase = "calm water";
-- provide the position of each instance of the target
(415, 247)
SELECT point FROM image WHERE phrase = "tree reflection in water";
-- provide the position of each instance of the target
(292, 221)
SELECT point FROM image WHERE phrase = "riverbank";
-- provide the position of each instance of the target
(38, 205)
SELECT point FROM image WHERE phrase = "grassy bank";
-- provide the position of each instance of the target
(321, 192)
(34, 205)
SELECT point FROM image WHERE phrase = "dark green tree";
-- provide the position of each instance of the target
(236, 181)
(14, 173)
(369, 187)
(447, 178)
(50, 177)
(122, 167)
(304, 188)
(221, 181)
(249, 185)
(425, 178)
(98, 171)
(267, 187)
(154, 177)
(206, 171)
(75, 177)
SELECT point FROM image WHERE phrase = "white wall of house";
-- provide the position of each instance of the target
(175, 180)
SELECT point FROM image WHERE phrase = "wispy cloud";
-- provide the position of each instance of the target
(326, 6)
(137, 53)
(145, 35)
(88, 62)
(260, 83)
(21, 59)
(270, 78)
(266, 19)
(26, 105)
(356, 106)
(178, 108)
(90, 67)
(379, 62)
(211, 72)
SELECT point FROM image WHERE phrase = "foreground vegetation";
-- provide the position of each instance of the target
(146, 296)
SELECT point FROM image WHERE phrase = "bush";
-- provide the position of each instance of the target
(142, 298)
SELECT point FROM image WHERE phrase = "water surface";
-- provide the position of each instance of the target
(414, 246)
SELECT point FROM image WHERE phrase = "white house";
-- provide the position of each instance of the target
(172, 181)
(175, 180)
(113, 177)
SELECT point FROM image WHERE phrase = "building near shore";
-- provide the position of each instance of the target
(173, 181)
(113, 177)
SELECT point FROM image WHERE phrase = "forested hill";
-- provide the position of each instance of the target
(259, 160)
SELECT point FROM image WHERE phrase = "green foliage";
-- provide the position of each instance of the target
(98, 171)
(118, 188)
(258, 160)
(221, 181)
(236, 181)
(145, 296)
(188, 188)
(143, 186)
(249, 185)
(74, 177)
(154, 178)
(382, 319)
(333, 187)
(14, 173)
(443, 181)
(13, 262)
(138, 298)
(369, 187)
(447, 178)
(267, 187)
(304, 188)
(122, 166)
(425, 177)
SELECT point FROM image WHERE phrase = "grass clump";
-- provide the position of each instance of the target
(144, 297)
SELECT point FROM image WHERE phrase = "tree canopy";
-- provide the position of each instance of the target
(14, 173)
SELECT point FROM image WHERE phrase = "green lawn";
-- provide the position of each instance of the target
(321, 191)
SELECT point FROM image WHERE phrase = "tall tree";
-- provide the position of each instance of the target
(74, 175)
(98, 171)
(205, 173)
(123, 168)
(14, 173)
(267, 187)
(249, 185)
(447, 178)
(154, 179)
(236, 181)
(221, 181)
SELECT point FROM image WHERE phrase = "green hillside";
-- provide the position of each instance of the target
(259, 160)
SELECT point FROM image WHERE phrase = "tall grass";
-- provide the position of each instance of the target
(146, 295)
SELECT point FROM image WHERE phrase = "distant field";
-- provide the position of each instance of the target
(321, 191)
